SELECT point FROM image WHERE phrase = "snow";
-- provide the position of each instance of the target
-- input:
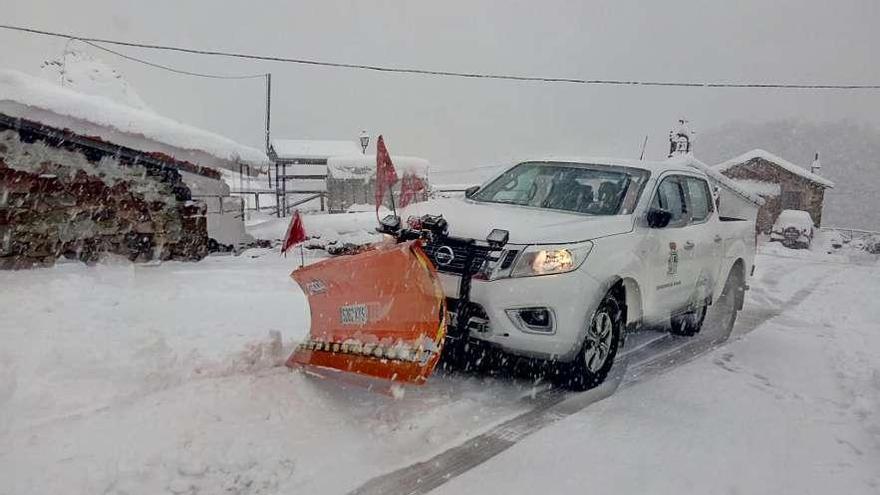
(759, 187)
(306, 185)
(781, 162)
(797, 218)
(306, 169)
(364, 166)
(139, 379)
(83, 73)
(791, 407)
(313, 149)
(458, 187)
(33, 98)
(143, 380)
(356, 228)
(720, 179)
(476, 220)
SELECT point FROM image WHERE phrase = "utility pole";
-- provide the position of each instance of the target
(268, 109)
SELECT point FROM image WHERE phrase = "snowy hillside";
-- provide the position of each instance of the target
(850, 155)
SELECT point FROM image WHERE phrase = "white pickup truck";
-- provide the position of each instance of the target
(595, 247)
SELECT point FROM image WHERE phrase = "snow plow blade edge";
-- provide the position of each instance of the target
(379, 313)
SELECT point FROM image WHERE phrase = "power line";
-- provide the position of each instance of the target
(447, 73)
(165, 67)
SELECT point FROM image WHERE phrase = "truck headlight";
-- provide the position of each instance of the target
(547, 260)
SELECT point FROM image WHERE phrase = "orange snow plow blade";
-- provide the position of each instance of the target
(380, 313)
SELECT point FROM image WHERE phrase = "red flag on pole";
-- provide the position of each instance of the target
(410, 187)
(386, 176)
(296, 232)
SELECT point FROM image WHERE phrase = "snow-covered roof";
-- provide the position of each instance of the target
(364, 166)
(33, 98)
(781, 162)
(678, 162)
(604, 160)
(86, 74)
(759, 187)
(717, 178)
(313, 149)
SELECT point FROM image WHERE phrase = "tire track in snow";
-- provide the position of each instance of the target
(637, 365)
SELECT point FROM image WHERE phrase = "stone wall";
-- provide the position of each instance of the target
(83, 205)
(812, 195)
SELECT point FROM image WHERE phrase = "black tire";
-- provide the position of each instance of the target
(730, 301)
(689, 323)
(606, 327)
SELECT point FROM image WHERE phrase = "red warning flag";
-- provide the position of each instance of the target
(386, 176)
(296, 232)
(410, 188)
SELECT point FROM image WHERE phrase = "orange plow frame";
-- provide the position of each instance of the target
(380, 313)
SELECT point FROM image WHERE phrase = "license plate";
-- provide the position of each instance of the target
(356, 314)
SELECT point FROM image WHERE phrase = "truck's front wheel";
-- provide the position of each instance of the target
(596, 356)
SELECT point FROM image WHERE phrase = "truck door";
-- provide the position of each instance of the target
(670, 277)
(703, 241)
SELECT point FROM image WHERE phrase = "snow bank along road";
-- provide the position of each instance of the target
(133, 379)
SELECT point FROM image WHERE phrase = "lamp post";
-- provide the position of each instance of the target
(365, 141)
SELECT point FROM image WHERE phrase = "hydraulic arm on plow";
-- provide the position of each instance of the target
(383, 312)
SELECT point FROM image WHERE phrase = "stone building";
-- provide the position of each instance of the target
(82, 175)
(782, 184)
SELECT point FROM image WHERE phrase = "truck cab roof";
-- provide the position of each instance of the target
(682, 163)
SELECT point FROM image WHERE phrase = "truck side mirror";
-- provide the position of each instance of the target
(471, 191)
(658, 218)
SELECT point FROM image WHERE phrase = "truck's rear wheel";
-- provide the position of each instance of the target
(596, 356)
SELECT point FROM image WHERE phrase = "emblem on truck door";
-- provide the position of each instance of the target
(672, 263)
(444, 255)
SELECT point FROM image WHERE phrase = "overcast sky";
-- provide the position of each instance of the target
(458, 123)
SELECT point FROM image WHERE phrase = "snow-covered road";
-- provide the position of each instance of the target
(793, 407)
(122, 379)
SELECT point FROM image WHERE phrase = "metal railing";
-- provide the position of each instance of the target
(849, 235)
(285, 204)
(223, 203)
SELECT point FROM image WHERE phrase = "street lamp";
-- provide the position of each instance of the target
(365, 141)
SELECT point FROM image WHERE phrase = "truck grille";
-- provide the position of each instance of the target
(449, 256)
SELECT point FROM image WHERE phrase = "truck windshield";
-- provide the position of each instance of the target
(589, 189)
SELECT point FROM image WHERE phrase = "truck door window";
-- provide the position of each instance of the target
(671, 197)
(700, 199)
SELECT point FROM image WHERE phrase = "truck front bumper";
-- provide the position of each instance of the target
(571, 299)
